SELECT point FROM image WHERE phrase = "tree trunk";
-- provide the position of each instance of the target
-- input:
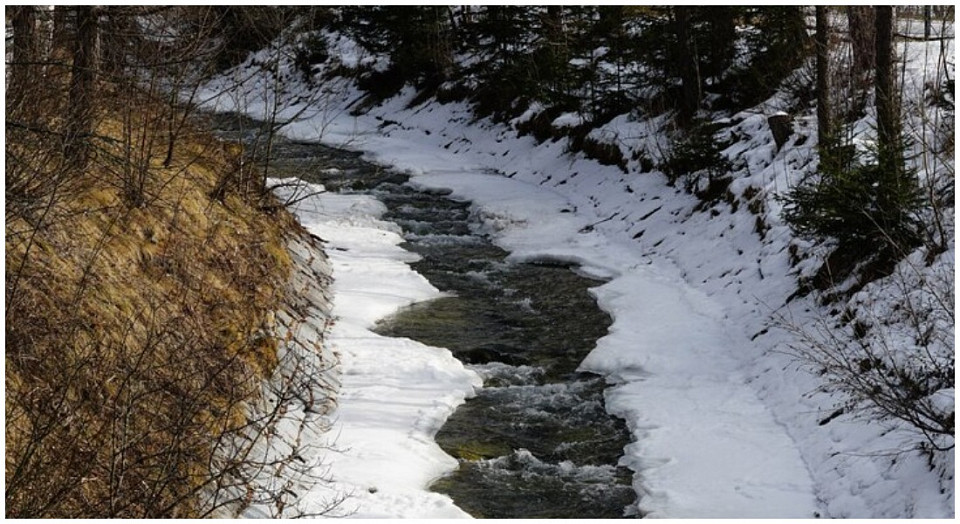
(63, 29)
(720, 48)
(442, 56)
(552, 72)
(611, 18)
(553, 24)
(24, 50)
(825, 132)
(689, 81)
(82, 88)
(888, 121)
(860, 23)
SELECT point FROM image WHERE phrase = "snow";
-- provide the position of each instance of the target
(669, 354)
(725, 422)
(678, 386)
(395, 393)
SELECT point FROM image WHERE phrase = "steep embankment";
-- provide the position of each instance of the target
(141, 334)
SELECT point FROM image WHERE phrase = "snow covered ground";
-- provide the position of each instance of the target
(395, 393)
(726, 423)
(706, 446)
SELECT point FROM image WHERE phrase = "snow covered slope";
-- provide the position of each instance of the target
(726, 421)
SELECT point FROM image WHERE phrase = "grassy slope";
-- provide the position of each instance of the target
(132, 334)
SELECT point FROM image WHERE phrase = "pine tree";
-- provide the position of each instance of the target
(610, 31)
(776, 47)
(417, 39)
(501, 41)
(869, 207)
(686, 60)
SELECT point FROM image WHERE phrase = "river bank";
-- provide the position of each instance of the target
(676, 329)
(725, 274)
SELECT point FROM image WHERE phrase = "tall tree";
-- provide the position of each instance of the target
(418, 40)
(895, 188)
(716, 44)
(554, 53)
(860, 23)
(502, 39)
(610, 29)
(687, 64)
(824, 114)
(888, 117)
(777, 46)
(24, 22)
(80, 117)
(61, 27)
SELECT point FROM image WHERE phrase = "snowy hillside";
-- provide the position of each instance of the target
(711, 322)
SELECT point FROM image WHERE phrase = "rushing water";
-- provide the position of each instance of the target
(536, 441)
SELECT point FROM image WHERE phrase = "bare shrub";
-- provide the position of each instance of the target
(140, 381)
(890, 354)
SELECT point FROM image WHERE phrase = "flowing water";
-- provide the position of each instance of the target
(536, 441)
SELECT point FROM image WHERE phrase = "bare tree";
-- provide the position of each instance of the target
(134, 406)
(891, 358)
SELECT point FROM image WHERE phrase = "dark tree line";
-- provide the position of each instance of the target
(581, 58)
(70, 66)
(693, 62)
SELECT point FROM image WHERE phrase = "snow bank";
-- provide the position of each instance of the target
(395, 393)
(705, 446)
(304, 382)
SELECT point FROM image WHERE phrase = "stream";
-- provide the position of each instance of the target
(536, 441)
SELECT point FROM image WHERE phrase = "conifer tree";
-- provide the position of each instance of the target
(686, 61)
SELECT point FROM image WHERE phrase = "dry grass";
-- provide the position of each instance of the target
(133, 333)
